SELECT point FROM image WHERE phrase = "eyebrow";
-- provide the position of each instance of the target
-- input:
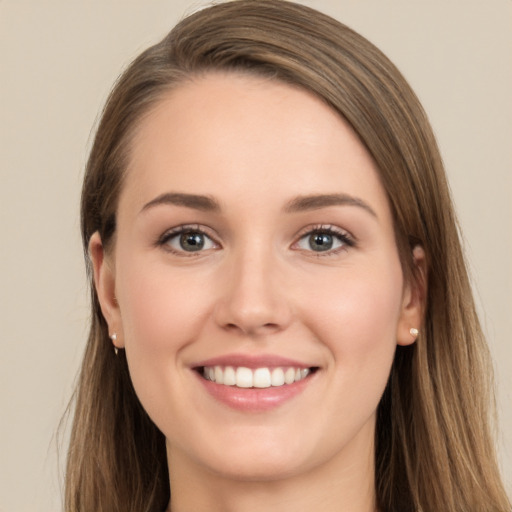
(197, 202)
(315, 202)
(298, 204)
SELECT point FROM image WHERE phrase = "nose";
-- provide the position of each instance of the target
(253, 299)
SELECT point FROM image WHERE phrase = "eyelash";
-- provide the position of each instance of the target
(163, 241)
(344, 237)
(347, 240)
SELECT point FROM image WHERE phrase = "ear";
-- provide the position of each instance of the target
(413, 301)
(104, 282)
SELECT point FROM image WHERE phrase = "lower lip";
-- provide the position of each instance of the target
(255, 399)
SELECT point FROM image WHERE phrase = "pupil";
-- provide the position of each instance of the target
(192, 241)
(321, 241)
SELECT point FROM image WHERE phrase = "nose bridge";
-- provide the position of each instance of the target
(253, 301)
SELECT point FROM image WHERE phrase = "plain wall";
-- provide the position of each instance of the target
(58, 60)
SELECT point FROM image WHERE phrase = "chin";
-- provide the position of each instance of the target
(262, 460)
(260, 469)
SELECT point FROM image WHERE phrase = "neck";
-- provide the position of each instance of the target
(345, 483)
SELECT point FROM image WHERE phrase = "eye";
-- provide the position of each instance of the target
(325, 239)
(186, 239)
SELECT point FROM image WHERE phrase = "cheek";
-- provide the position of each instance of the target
(162, 313)
(357, 322)
(356, 316)
(158, 307)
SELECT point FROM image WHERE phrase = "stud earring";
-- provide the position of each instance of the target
(113, 337)
(414, 332)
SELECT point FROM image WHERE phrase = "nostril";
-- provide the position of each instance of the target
(251, 314)
(233, 327)
(252, 329)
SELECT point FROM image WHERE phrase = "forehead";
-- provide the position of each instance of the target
(231, 134)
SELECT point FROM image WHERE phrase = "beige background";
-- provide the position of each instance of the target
(58, 60)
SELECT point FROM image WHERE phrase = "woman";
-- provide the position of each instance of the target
(281, 312)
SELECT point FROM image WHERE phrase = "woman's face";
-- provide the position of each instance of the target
(255, 246)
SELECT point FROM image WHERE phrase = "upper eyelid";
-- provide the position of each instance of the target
(184, 228)
(331, 228)
(209, 232)
(192, 228)
(348, 240)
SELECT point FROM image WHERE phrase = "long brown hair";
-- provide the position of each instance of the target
(434, 449)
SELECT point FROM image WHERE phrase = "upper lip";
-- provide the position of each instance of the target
(252, 361)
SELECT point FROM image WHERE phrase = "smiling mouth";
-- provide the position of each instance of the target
(246, 378)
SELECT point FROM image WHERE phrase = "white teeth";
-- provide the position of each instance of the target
(229, 376)
(277, 378)
(261, 378)
(289, 376)
(217, 371)
(243, 377)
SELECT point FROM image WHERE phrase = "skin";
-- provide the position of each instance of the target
(258, 287)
